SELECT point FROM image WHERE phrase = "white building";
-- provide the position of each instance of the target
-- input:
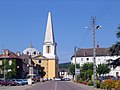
(102, 55)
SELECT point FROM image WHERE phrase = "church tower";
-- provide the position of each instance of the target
(49, 46)
(49, 49)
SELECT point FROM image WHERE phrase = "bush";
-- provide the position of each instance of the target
(102, 85)
(90, 83)
(107, 84)
(117, 85)
(80, 81)
(98, 84)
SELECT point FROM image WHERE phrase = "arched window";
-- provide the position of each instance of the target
(48, 49)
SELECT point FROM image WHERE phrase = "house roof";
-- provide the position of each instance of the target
(8, 54)
(87, 52)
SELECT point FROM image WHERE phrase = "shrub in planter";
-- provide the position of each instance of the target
(102, 85)
(109, 84)
(117, 85)
(90, 83)
(98, 84)
(80, 81)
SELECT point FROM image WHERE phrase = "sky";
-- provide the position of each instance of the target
(24, 21)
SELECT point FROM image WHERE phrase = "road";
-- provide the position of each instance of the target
(51, 85)
(56, 85)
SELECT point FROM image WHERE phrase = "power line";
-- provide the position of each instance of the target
(108, 6)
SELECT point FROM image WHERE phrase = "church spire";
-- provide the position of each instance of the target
(49, 35)
(49, 46)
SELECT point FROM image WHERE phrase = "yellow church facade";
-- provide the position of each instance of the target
(48, 59)
(50, 66)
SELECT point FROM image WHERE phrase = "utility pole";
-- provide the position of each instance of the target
(4, 53)
(94, 50)
(75, 64)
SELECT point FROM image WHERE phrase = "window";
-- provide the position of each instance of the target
(81, 59)
(34, 53)
(10, 62)
(48, 49)
(27, 53)
(40, 61)
(87, 59)
(1, 62)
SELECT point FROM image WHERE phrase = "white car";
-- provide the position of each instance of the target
(57, 79)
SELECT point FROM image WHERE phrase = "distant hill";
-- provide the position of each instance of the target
(64, 65)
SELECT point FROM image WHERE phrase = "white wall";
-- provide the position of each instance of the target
(99, 59)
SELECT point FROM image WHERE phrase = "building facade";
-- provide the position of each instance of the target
(102, 56)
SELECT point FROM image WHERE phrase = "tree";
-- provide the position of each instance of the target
(86, 71)
(103, 69)
(115, 48)
(118, 33)
(71, 69)
(41, 72)
(10, 69)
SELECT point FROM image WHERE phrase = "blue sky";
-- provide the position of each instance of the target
(24, 21)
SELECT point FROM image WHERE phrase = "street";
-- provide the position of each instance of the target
(51, 85)
(61, 85)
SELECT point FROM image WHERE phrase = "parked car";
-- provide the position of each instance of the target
(25, 81)
(11, 83)
(57, 79)
(67, 79)
(19, 81)
(8, 83)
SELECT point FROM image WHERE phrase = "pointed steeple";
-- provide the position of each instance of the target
(49, 35)
(49, 46)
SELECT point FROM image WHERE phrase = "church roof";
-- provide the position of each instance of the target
(31, 51)
(49, 35)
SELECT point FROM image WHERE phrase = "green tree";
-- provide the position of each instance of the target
(10, 69)
(115, 48)
(118, 33)
(71, 69)
(86, 71)
(41, 72)
(103, 69)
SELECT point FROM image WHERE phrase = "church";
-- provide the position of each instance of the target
(48, 59)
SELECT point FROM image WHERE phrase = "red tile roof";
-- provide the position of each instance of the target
(87, 52)
(8, 54)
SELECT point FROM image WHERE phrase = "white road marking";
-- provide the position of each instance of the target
(55, 85)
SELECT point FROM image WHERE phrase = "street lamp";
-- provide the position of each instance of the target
(94, 50)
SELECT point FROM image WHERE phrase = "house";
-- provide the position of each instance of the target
(10, 63)
(16, 65)
(85, 55)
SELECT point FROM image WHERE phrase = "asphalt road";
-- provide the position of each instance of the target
(51, 85)
(56, 85)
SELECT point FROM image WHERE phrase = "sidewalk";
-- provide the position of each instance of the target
(87, 87)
